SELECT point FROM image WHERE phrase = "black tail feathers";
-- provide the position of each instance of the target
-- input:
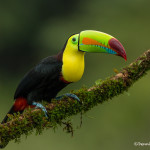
(11, 111)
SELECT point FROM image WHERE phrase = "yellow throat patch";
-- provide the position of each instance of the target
(73, 61)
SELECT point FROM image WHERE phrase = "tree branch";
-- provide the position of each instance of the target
(59, 110)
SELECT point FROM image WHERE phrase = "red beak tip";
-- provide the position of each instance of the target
(117, 46)
(125, 57)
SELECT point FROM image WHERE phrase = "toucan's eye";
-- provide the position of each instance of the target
(74, 40)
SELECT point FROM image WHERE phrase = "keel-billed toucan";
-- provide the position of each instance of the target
(53, 73)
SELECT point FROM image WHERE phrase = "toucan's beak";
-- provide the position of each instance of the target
(95, 41)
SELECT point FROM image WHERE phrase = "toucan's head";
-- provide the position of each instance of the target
(95, 41)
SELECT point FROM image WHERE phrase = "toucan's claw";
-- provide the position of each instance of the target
(73, 96)
(38, 105)
(69, 95)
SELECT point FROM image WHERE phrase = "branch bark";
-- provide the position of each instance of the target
(60, 110)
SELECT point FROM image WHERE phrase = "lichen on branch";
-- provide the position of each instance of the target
(31, 120)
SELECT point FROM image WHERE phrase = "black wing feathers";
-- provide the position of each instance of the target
(49, 68)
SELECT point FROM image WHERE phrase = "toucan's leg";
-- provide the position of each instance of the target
(69, 95)
(38, 105)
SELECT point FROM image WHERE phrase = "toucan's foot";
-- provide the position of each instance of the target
(38, 105)
(69, 95)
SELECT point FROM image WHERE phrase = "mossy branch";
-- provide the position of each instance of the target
(59, 110)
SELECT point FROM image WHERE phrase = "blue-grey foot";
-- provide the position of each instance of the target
(69, 95)
(38, 105)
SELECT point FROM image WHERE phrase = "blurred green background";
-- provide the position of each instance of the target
(33, 29)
